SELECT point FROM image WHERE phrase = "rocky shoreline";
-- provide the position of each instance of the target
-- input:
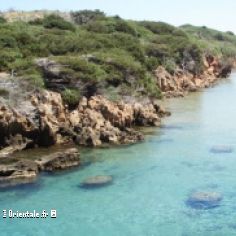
(43, 120)
(94, 122)
(182, 81)
(15, 171)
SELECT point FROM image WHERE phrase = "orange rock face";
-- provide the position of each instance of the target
(94, 122)
(183, 82)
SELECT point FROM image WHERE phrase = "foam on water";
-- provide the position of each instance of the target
(151, 180)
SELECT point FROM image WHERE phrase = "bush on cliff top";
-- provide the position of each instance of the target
(85, 16)
(54, 21)
(107, 52)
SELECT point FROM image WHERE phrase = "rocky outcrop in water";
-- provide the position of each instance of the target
(59, 160)
(15, 171)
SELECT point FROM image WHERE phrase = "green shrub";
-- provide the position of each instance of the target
(158, 27)
(219, 37)
(118, 62)
(4, 92)
(71, 97)
(170, 65)
(2, 20)
(36, 80)
(157, 50)
(81, 68)
(151, 87)
(125, 27)
(85, 16)
(152, 63)
(54, 21)
(7, 41)
(20, 64)
(8, 56)
(110, 25)
(230, 33)
(37, 21)
(100, 27)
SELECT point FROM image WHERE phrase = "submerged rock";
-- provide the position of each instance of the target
(59, 160)
(204, 200)
(97, 181)
(221, 149)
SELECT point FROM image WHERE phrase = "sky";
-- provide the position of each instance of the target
(218, 14)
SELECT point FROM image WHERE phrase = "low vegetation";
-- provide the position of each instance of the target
(108, 54)
(219, 43)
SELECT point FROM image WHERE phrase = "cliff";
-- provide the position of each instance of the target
(89, 79)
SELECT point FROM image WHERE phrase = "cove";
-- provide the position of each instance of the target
(152, 180)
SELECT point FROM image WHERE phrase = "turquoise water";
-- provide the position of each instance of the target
(152, 180)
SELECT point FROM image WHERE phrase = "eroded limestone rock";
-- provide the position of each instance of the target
(59, 160)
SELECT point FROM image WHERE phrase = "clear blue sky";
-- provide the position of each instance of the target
(219, 14)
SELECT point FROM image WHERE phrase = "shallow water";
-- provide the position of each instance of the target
(152, 180)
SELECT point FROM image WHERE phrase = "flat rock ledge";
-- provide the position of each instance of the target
(14, 171)
(17, 172)
(59, 160)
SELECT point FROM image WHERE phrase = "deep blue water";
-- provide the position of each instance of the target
(152, 180)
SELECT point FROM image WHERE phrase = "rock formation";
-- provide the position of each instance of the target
(183, 81)
(59, 160)
(15, 171)
(44, 120)
(103, 121)
(95, 121)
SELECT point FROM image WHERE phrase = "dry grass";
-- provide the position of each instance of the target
(12, 16)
